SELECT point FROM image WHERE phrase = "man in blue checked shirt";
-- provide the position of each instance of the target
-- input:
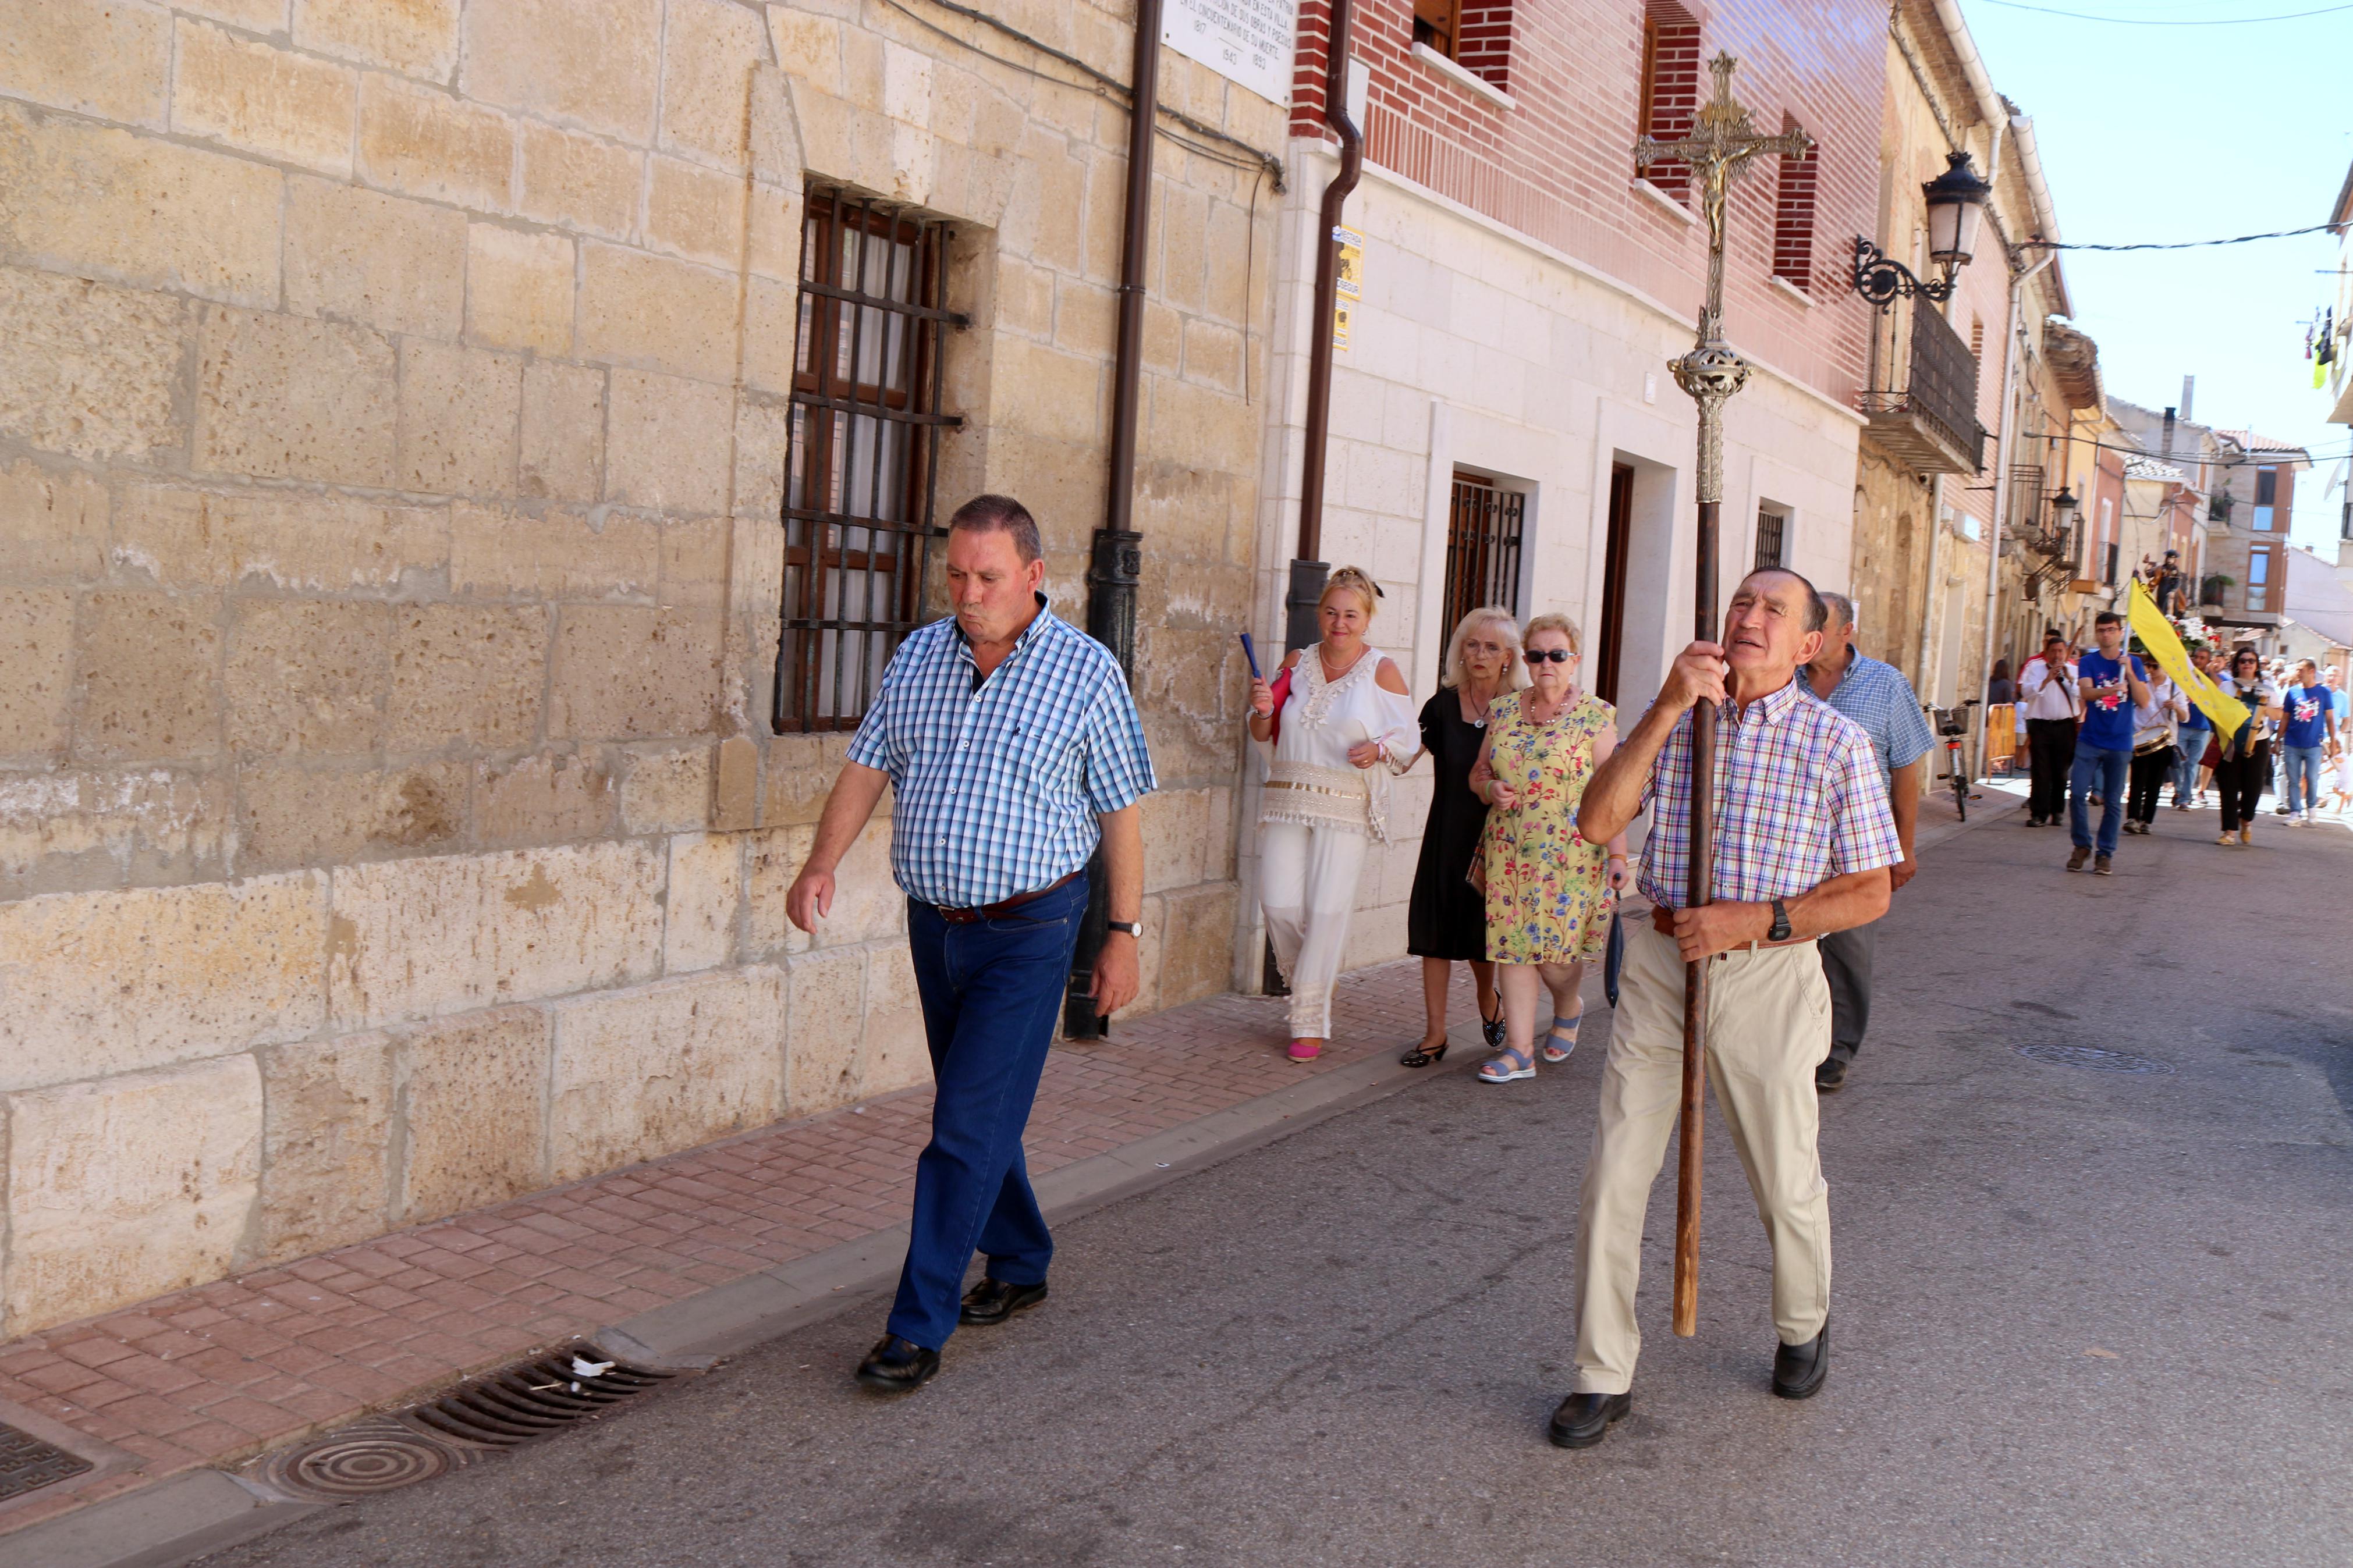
(1012, 746)
(1877, 696)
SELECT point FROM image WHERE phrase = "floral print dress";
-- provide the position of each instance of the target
(1549, 898)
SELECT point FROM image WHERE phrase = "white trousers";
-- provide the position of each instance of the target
(1769, 1027)
(1307, 885)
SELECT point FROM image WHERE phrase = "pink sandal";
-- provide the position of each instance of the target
(1304, 1050)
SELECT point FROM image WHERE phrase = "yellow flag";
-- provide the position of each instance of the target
(2158, 636)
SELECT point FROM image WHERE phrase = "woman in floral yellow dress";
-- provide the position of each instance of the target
(1550, 892)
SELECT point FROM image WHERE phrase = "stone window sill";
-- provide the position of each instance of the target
(1663, 202)
(1469, 81)
(1792, 290)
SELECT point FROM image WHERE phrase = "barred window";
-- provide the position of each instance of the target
(1772, 537)
(1483, 529)
(1668, 100)
(859, 512)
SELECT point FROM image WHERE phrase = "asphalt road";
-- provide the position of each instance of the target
(2081, 1317)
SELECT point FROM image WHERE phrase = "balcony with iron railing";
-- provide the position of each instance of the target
(2048, 548)
(1922, 404)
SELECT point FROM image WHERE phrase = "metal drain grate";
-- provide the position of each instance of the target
(503, 1409)
(511, 1407)
(28, 1464)
(2094, 1057)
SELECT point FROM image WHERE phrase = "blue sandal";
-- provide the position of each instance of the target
(1495, 1070)
(1562, 1031)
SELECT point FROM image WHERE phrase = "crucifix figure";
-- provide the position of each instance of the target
(1720, 143)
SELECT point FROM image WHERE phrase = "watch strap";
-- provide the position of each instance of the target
(1133, 928)
(1780, 928)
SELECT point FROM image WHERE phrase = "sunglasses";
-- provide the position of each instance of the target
(1554, 654)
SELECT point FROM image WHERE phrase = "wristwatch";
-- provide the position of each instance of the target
(1780, 931)
(1132, 927)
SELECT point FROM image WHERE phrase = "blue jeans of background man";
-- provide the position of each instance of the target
(991, 990)
(2300, 765)
(2187, 759)
(2104, 772)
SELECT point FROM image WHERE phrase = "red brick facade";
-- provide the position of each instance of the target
(1559, 167)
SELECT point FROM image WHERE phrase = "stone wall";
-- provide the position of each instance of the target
(393, 415)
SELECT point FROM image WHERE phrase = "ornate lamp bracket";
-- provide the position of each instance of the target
(1882, 281)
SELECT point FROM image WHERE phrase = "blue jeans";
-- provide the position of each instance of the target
(2186, 757)
(2301, 766)
(2105, 772)
(992, 990)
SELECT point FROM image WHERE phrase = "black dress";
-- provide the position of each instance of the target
(1448, 917)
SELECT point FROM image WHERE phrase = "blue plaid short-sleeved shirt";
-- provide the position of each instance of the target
(1877, 696)
(998, 784)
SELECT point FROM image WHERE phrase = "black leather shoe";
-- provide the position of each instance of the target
(1798, 1370)
(897, 1366)
(1583, 1419)
(1830, 1076)
(993, 1300)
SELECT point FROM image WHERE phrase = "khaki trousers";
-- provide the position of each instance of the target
(1769, 1028)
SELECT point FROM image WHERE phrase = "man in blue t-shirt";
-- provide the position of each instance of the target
(2190, 755)
(2307, 718)
(2113, 684)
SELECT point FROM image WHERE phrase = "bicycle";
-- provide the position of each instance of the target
(1953, 723)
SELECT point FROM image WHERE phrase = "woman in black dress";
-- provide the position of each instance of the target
(1446, 924)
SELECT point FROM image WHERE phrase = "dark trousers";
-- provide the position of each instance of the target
(2051, 752)
(1846, 964)
(2149, 772)
(2240, 781)
(991, 991)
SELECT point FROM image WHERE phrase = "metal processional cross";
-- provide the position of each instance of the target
(1720, 143)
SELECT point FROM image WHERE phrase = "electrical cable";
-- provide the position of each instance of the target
(1261, 159)
(2167, 21)
(2178, 244)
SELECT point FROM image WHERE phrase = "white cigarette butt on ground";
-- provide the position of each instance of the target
(2104, 1355)
(583, 1367)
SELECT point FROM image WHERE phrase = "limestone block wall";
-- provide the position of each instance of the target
(394, 406)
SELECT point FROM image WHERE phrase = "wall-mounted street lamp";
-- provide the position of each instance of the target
(2063, 507)
(1955, 201)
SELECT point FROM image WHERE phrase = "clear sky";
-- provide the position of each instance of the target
(2193, 133)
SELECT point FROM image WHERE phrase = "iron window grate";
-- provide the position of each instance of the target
(1771, 540)
(861, 474)
(1483, 537)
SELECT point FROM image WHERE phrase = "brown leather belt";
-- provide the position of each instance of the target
(1003, 906)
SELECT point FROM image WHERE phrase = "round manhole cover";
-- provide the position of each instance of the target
(361, 1462)
(2094, 1057)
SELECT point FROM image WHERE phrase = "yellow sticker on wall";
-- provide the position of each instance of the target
(1350, 278)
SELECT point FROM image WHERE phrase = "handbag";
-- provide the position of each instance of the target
(1279, 687)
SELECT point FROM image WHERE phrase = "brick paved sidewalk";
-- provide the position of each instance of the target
(217, 1374)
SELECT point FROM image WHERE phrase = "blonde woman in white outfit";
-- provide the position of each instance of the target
(1344, 724)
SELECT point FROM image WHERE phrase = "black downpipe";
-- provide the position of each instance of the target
(1116, 565)
(1308, 569)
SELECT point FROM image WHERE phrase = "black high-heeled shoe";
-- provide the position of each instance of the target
(1421, 1058)
(1494, 1030)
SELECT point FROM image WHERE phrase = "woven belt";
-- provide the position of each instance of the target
(1003, 906)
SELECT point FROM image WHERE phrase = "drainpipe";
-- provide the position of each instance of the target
(1116, 563)
(1308, 569)
(2003, 450)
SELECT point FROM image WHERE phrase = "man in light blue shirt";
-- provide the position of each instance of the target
(1012, 747)
(1877, 696)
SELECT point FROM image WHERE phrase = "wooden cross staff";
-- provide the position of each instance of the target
(1720, 143)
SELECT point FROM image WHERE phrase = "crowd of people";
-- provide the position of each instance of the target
(2107, 729)
(1013, 751)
